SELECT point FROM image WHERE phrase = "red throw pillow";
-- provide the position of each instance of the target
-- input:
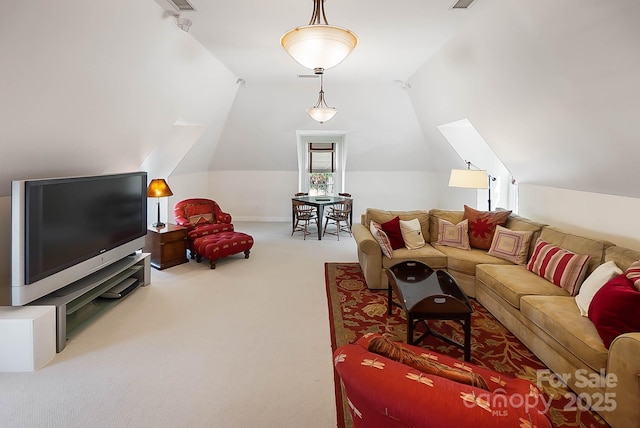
(482, 226)
(614, 309)
(394, 233)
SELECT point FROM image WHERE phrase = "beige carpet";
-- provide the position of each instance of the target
(244, 345)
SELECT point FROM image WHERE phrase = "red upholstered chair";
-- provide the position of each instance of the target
(201, 217)
(383, 393)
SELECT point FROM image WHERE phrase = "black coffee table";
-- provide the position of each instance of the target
(425, 294)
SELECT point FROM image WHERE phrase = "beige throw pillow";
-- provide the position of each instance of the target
(412, 234)
(510, 245)
(453, 235)
(593, 283)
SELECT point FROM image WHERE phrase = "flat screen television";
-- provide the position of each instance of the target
(63, 229)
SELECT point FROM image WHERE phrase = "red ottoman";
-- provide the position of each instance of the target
(223, 244)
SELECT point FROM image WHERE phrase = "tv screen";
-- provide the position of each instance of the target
(69, 220)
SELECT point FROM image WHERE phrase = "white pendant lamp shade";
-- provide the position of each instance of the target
(469, 178)
(321, 114)
(319, 46)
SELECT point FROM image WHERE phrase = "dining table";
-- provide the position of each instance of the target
(320, 202)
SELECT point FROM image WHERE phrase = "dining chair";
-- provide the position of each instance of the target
(304, 214)
(340, 216)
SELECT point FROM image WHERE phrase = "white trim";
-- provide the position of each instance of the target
(305, 137)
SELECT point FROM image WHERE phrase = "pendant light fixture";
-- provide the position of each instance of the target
(321, 112)
(319, 45)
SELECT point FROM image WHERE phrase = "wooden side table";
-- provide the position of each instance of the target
(167, 245)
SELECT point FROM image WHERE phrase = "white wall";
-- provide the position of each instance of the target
(613, 218)
(266, 195)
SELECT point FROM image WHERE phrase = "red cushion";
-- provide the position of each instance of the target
(394, 233)
(614, 309)
(482, 226)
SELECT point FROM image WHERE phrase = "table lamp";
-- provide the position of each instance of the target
(158, 188)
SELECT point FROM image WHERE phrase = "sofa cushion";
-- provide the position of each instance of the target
(593, 283)
(427, 255)
(412, 234)
(511, 245)
(562, 267)
(516, 222)
(382, 238)
(578, 244)
(465, 261)
(560, 318)
(454, 217)
(614, 309)
(482, 225)
(453, 235)
(623, 257)
(383, 216)
(512, 282)
(394, 233)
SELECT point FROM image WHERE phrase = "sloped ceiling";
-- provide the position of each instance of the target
(91, 88)
(550, 85)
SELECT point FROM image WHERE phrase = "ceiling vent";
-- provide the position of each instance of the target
(182, 5)
(462, 4)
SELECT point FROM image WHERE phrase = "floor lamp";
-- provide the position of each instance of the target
(471, 179)
(158, 188)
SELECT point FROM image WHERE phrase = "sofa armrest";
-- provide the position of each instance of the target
(624, 363)
(365, 240)
(183, 221)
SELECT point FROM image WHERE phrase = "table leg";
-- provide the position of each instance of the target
(409, 329)
(320, 213)
(467, 338)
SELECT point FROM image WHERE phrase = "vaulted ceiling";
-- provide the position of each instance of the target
(93, 87)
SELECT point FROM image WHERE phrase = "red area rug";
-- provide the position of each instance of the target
(355, 310)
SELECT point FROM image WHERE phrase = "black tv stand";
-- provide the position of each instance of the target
(79, 302)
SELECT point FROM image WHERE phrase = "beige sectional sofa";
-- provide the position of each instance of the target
(543, 316)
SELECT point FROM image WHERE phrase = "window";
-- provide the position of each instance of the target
(321, 159)
(322, 162)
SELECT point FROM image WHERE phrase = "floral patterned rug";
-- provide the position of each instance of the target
(355, 310)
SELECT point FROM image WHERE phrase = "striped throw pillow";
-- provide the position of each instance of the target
(382, 238)
(559, 266)
(633, 274)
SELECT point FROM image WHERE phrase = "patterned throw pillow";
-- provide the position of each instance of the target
(453, 235)
(562, 267)
(382, 238)
(482, 225)
(392, 229)
(633, 274)
(201, 219)
(412, 234)
(510, 245)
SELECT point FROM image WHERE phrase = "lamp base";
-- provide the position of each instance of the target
(158, 225)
